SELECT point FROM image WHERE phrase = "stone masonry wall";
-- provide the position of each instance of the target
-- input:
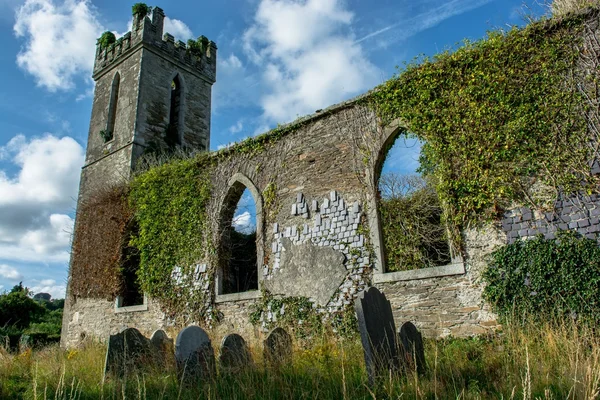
(317, 239)
(578, 213)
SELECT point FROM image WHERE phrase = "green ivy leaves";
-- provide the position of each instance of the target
(494, 113)
(541, 277)
(170, 206)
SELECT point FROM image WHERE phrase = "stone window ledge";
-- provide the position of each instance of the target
(137, 308)
(433, 272)
(224, 298)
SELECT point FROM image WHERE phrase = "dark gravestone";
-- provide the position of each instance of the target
(413, 350)
(234, 355)
(163, 348)
(377, 333)
(278, 347)
(127, 351)
(194, 354)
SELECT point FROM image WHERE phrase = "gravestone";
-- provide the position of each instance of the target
(412, 344)
(278, 347)
(235, 354)
(163, 347)
(194, 354)
(127, 351)
(377, 333)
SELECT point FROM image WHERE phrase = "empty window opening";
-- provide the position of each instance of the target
(131, 291)
(112, 108)
(238, 242)
(410, 212)
(173, 129)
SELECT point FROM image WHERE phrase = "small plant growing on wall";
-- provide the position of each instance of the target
(140, 10)
(106, 135)
(106, 40)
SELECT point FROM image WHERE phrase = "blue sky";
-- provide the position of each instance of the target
(278, 59)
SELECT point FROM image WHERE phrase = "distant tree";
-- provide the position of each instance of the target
(414, 235)
(18, 309)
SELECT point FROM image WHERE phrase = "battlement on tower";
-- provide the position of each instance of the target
(200, 58)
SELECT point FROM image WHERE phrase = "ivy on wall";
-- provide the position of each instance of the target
(300, 315)
(538, 277)
(493, 115)
(170, 204)
(97, 256)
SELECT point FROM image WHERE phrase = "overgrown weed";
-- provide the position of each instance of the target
(528, 361)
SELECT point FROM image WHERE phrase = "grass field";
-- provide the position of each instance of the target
(532, 362)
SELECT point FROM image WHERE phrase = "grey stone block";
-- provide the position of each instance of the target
(333, 195)
(315, 205)
(583, 223)
(294, 209)
(276, 227)
(573, 225)
(299, 198)
(326, 203)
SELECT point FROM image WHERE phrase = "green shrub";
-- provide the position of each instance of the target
(108, 38)
(140, 10)
(538, 277)
(414, 235)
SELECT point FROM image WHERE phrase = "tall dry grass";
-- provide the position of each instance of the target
(559, 361)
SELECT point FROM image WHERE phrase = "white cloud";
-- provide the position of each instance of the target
(309, 58)
(49, 286)
(60, 40)
(243, 222)
(8, 272)
(34, 225)
(237, 127)
(50, 238)
(178, 29)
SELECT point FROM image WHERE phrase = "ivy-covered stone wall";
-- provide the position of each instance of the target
(498, 117)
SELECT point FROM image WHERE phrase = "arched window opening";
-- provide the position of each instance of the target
(410, 212)
(238, 249)
(173, 129)
(131, 291)
(112, 108)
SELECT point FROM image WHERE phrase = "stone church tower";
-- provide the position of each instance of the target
(152, 93)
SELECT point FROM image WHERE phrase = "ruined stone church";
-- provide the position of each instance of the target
(323, 242)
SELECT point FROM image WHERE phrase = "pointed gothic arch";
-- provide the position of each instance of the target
(231, 276)
(390, 134)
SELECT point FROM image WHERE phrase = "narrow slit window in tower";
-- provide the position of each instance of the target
(112, 108)
(173, 135)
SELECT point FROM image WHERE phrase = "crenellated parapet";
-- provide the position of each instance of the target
(199, 56)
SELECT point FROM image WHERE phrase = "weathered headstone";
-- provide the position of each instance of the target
(127, 351)
(278, 347)
(235, 354)
(163, 347)
(377, 333)
(194, 354)
(412, 344)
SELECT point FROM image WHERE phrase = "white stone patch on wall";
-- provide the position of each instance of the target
(335, 223)
(193, 279)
